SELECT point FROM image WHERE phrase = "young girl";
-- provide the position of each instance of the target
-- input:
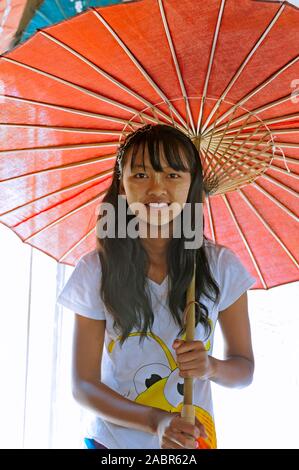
(130, 356)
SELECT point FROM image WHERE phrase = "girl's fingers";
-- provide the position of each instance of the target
(201, 427)
(168, 444)
(181, 426)
(189, 373)
(182, 439)
(190, 356)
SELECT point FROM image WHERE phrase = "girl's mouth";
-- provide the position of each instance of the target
(157, 205)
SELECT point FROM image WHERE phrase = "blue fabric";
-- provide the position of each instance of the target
(92, 444)
(89, 443)
(55, 11)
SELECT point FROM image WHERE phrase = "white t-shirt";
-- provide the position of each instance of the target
(147, 373)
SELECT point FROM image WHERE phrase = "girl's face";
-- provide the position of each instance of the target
(144, 185)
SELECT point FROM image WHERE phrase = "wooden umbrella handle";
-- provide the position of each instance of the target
(188, 410)
(188, 414)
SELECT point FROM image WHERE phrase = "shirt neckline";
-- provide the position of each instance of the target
(159, 286)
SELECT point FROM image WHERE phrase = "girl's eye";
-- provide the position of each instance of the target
(142, 175)
(136, 176)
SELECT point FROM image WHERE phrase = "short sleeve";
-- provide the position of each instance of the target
(81, 293)
(234, 279)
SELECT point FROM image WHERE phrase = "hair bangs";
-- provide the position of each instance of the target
(176, 153)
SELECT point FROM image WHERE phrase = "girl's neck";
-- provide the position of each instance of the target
(156, 242)
(156, 249)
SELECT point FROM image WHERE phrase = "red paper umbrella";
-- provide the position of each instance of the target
(224, 72)
(14, 16)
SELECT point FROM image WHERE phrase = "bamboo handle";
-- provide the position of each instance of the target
(188, 414)
(188, 410)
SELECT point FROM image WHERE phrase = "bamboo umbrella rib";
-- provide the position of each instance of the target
(62, 147)
(267, 122)
(280, 185)
(282, 170)
(104, 175)
(67, 166)
(212, 135)
(289, 145)
(204, 156)
(233, 158)
(219, 146)
(236, 154)
(243, 65)
(76, 245)
(254, 91)
(211, 60)
(273, 156)
(239, 166)
(75, 130)
(70, 110)
(262, 154)
(275, 201)
(176, 64)
(223, 138)
(64, 217)
(268, 155)
(231, 133)
(246, 174)
(217, 159)
(277, 168)
(270, 230)
(263, 108)
(277, 143)
(211, 162)
(244, 241)
(139, 66)
(258, 162)
(210, 215)
(279, 119)
(294, 161)
(210, 140)
(106, 75)
(80, 88)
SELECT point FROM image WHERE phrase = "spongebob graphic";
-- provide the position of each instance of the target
(156, 383)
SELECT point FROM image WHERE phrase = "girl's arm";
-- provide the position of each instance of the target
(88, 390)
(238, 367)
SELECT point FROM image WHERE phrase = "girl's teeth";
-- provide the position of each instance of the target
(155, 204)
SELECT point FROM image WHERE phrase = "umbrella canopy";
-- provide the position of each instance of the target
(223, 72)
(14, 16)
(54, 11)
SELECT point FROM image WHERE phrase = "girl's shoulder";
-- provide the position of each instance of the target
(91, 260)
(224, 261)
(230, 272)
(215, 251)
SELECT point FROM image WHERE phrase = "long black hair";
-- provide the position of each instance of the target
(125, 262)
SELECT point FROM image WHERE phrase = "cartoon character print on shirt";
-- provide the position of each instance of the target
(157, 383)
